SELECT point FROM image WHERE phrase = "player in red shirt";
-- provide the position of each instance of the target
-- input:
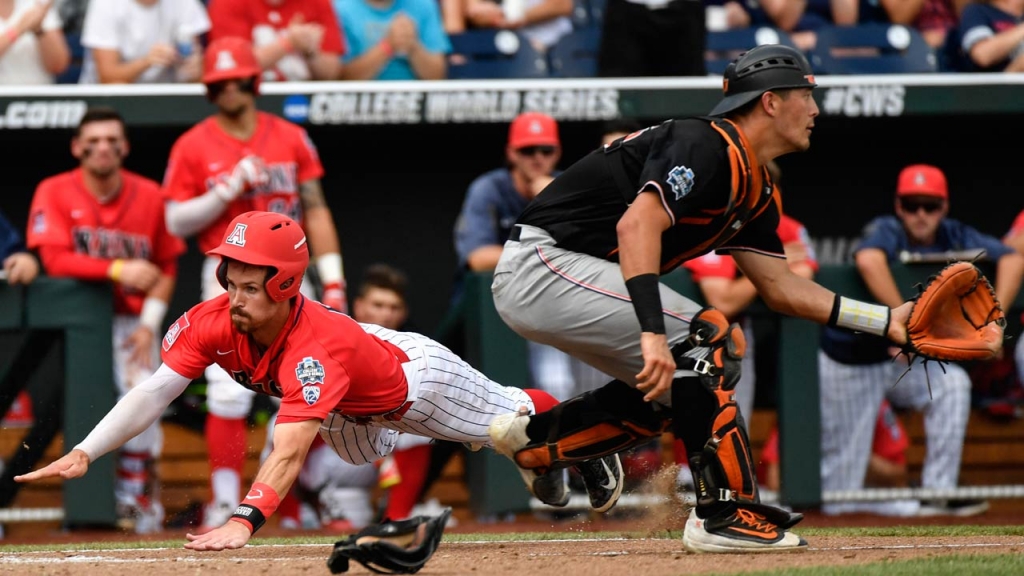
(100, 222)
(237, 160)
(357, 385)
(293, 39)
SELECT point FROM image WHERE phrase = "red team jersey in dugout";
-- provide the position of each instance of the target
(712, 265)
(206, 155)
(321, 362)
(65, 216)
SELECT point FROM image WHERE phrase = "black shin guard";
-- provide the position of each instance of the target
(605, 421)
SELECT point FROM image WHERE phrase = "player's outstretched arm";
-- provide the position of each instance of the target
(71, 465)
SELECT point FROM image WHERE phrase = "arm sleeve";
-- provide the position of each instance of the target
(683, 167)
(194, 215)
(296, 407)
(994, 248)
(135, 412)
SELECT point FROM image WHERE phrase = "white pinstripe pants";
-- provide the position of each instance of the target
(451, 400)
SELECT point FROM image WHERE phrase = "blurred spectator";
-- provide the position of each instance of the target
(1015, 239)
(856, 370)
(19, 265)
(990, 37)
(294, 39)
(652, 38)
(934, 19)
(543, 22)
(393, 40)
(800, 19)
(32, 45)
(100, 222)
(143, 41)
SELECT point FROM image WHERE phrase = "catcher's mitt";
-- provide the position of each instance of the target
(956, 317)
(391, 547)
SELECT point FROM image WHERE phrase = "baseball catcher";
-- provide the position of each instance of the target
(956, 317)
(391, 547)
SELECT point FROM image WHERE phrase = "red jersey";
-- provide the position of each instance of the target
(321, 362)
(262, 24)
(205, 155)
(65, 218)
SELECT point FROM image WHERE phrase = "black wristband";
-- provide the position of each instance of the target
(645, 292)
(251, 514)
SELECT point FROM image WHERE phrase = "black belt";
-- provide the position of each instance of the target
(514, 234)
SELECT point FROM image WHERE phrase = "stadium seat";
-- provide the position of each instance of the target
(725, 45)
(494, 54)
(872, 49)
(74, 69)
(575, 54)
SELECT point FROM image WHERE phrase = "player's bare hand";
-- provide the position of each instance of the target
(898, 323)
(140, 343)
(162, 55)
(139, 274)
(659, 366)
(248, 173)
(71, 465)
(31, 19)
(228, 537)
(21, 268)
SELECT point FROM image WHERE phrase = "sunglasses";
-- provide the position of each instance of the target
(912, 206)
(534, 150)
(245, 85)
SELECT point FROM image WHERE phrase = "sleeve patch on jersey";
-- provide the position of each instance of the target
(174, 331)
(311, 394)
(310, 371)
(39, 222)
(681, 180)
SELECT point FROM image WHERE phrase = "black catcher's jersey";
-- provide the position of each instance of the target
(717, 196)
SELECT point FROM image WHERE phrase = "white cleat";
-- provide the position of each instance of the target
(738, 532)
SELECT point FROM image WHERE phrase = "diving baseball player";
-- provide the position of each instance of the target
(238, 160)
(357, 385)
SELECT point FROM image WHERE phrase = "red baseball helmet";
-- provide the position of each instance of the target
(230, 58)
(266, 239)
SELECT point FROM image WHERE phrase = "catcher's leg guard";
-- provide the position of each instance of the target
(598, 423)
(722, 464)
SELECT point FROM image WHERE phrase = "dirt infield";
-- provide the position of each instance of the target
(599, 548)
(595, 557)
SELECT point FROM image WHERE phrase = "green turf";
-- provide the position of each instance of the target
(958, 565)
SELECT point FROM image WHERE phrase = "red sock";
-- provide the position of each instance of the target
(225, 442)
(542, 401)
(412, 465)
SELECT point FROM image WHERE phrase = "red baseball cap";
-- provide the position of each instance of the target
(533, 129)
(922, 180)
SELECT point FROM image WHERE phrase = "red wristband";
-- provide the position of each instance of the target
(386, 47)
(258, 505)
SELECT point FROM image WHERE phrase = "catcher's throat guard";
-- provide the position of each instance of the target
(391, 547)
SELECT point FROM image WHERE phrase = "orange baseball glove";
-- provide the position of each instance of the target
(956, 317)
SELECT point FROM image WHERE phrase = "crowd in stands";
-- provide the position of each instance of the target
(128, 41)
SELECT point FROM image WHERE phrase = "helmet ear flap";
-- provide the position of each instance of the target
(222, 273)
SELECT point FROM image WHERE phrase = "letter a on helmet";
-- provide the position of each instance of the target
(267, 239)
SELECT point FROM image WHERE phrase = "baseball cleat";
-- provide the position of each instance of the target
(508, 433)
(738, 532)
(603, 478)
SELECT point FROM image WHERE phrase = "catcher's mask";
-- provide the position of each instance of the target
(391, 547)
(759, 70)
(266, 239)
